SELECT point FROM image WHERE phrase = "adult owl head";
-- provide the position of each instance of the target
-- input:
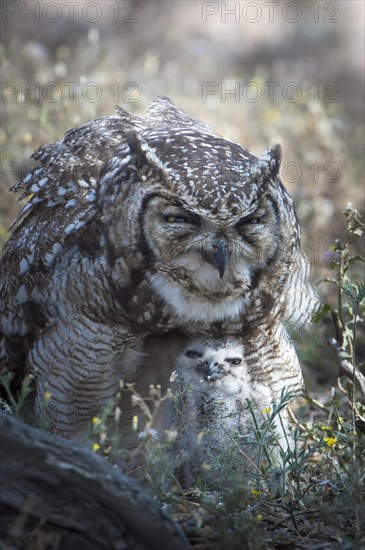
(200, 213)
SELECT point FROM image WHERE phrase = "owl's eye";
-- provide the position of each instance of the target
(193, 354)
(249, 220)
(233, 360)
(171, 218)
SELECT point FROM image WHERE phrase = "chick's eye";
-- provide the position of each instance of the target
(193, 354)
(234, 360)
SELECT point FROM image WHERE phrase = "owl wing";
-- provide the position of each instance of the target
(60, 193)
(163, 112)
(299, 300)
(69, 169)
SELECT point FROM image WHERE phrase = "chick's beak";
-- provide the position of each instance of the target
(212, 370)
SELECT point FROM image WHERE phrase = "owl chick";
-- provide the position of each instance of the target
(217, 394)
(134, 227)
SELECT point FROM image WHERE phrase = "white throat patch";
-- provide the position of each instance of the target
(190, 309)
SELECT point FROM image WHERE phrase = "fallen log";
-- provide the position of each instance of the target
(56, 494)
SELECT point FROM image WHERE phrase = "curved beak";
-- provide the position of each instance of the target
(219, 257)
(212, 371)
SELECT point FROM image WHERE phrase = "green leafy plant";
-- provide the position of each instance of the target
(348, 313)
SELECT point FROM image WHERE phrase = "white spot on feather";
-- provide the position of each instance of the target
(69, 228)
(22, 295)
(23, 266)
(83, 183)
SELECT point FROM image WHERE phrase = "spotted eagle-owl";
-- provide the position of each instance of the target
(139, 226)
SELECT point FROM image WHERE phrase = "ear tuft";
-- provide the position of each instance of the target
(272, 159)
(134, 143)
(275, 153)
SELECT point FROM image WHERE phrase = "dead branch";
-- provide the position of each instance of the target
(346, 367)
(56, 494)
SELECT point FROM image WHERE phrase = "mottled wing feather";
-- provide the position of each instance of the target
(69, 169)
(162, 112)
(131, 121)
(299, 299)
(60, 195)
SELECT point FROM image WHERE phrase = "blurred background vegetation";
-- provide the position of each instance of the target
(256, 72)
